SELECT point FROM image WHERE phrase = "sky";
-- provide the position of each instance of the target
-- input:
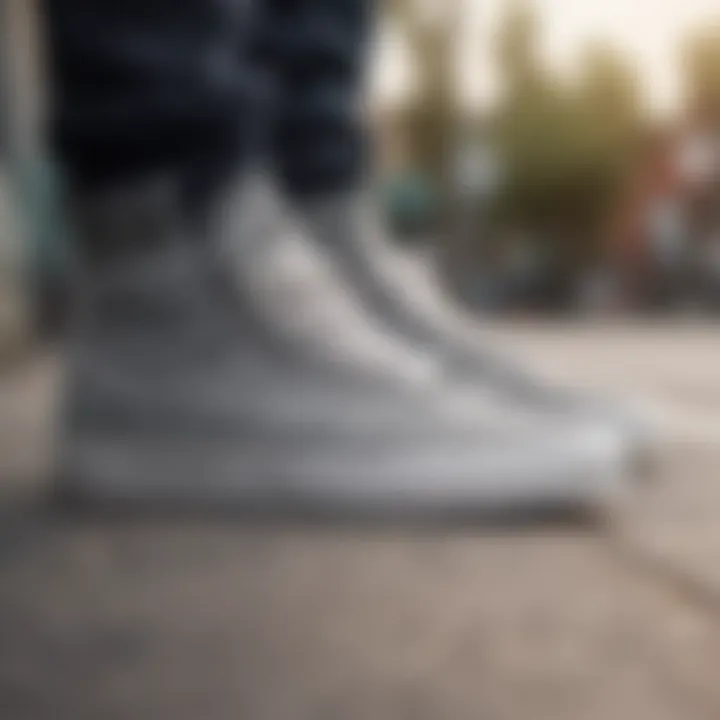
(649, 30)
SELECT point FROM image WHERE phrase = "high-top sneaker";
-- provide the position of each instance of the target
(179, 392)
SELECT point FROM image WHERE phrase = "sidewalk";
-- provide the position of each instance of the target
(191, 618)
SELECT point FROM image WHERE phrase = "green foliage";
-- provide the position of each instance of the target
(701, 66)
(568, 147)
(517, 47)
(430, 120)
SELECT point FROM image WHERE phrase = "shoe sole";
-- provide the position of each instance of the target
(337, 478)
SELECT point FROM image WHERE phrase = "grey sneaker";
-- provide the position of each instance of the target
(185, 390)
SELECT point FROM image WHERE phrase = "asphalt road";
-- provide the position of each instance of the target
(196, 618)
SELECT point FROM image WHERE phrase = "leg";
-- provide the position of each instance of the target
(143, 87)
(318, 50)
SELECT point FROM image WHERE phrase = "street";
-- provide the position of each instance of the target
(195, 617)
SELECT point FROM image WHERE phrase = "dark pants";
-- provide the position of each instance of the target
(199, 87)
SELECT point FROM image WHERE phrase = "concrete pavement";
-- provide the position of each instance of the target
(188, 617)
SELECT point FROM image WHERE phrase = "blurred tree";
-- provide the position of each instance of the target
(612, 122)
(430, 30)
(517, 49)
(567, 147)
(701, 66)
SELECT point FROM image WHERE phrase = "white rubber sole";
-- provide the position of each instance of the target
(344, 476)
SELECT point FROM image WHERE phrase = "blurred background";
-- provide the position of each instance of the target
(565, 158)
(565, 155)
